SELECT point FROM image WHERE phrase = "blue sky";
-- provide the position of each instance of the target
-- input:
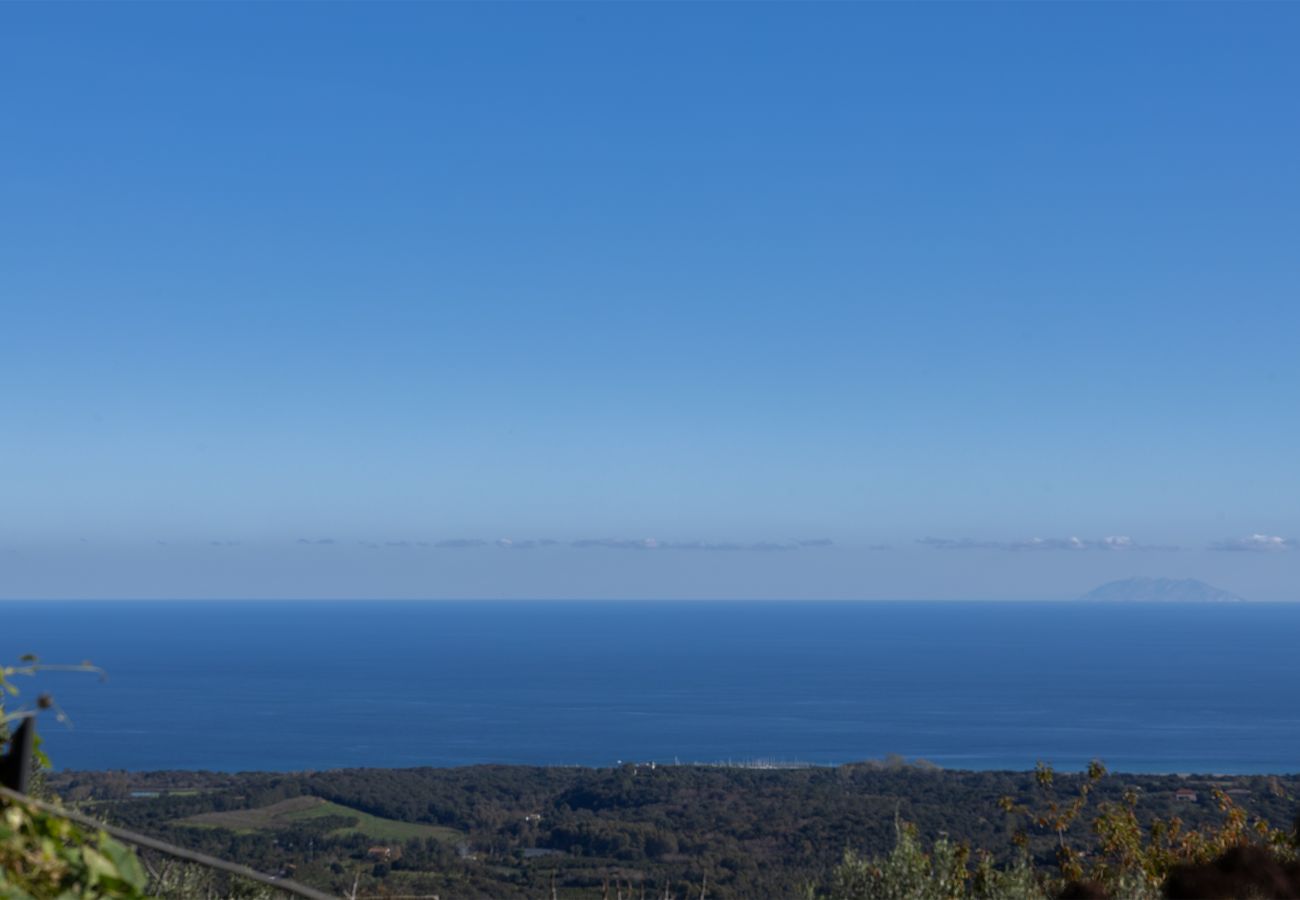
(294, 294)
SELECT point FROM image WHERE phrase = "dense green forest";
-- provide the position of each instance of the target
(509, 831)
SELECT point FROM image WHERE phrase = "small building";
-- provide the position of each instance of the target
(379, 853)
(1183, 795)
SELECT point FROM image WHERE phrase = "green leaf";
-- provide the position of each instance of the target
(127, 863)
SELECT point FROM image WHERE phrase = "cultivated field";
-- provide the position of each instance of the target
(286, 813)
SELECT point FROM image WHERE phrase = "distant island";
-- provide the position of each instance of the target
(1159, 590)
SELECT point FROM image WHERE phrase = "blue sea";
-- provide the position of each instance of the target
(316, 685)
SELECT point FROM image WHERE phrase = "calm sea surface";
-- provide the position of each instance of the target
(307, 685)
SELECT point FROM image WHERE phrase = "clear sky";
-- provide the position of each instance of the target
(681, 300)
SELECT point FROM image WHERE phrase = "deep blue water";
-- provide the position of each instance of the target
(306, 685)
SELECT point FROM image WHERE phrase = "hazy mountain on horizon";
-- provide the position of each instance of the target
(1143, 589)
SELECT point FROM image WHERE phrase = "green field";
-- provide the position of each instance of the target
(297, 809)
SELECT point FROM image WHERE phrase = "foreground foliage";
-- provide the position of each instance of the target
(46, 856)
(1126, 858)
(944, 873)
